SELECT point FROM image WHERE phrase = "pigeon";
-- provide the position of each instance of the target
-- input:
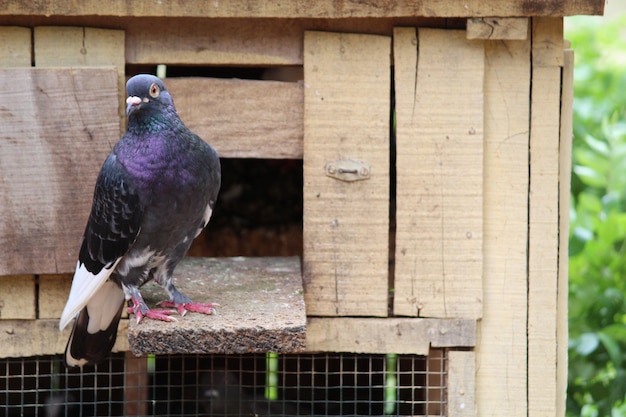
(155, 193)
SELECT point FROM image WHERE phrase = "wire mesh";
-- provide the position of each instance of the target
(325, 384)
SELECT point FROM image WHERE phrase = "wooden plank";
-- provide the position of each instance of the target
(17, 297)
(15, 46)
(511, 28)
(69, 46)
(501, 353)
(53, 292)
(439, 160)
(261, 308)
(385, 335)
(136, 385)
(461, 384)
(50, 136)
(328, 9)
(543, 233)
(243, 118)
(346, 224)
(565, 169)
(23, 338)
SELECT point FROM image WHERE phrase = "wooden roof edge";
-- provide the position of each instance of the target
(296, 9)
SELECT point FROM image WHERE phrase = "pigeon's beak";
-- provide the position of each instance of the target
(132, 103)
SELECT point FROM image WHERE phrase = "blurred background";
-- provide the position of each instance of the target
(597, 262)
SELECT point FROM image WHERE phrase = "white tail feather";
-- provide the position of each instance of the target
(84, 286)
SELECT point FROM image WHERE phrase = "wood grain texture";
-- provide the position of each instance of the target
(346, 224)
(18, 297)
(543, 227)
(565, 172)
(53, 292)
(70, 46)
(501, 351)
(56, 128)
(243, 118)
(439, 160)
(493, 28)
(385, 335)
(461, 384)
(261, 308)
(15, 46)
(328, 9)
(23, 338)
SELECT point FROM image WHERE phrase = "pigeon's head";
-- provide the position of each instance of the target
(146, 94)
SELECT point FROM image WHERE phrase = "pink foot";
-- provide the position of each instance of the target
(204, 308)
(164, 315)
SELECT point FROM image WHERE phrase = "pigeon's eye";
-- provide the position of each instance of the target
(154, 91)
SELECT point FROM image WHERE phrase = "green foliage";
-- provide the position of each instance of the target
(597, 263)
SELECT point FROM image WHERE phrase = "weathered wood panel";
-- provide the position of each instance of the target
(501, 351)
(15, 46)
(565, 171)
(68, 46)
(439, 160)
(461, 384)
(386, 335)
(346, 224)
(328, 9)
(543, 216)
(243, 118)
(56, 128)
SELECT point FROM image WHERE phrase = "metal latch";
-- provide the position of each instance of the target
(348, 170)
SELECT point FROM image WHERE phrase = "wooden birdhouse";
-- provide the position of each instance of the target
(432, 140)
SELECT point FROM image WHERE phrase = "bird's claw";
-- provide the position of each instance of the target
(163, 315)
(204, 308)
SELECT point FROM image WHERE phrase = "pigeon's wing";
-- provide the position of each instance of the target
(112, 227)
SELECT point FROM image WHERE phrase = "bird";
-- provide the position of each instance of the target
(154, 194)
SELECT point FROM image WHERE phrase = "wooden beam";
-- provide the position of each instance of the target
(439, 166)
(385, 335)
(346, 223)
(23, 338)
(53, 292)
(61, 126)
(328, 9)
(492, 28)
(543, 227)
(501, 351)
(243, 118)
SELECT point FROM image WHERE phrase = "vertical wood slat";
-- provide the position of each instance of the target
(67, 46)
(17, 293)
(346, 224)
(543, 227)
(439, 214)
(501, 351)
(565, 169)
(15, 46)
(461, 384)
